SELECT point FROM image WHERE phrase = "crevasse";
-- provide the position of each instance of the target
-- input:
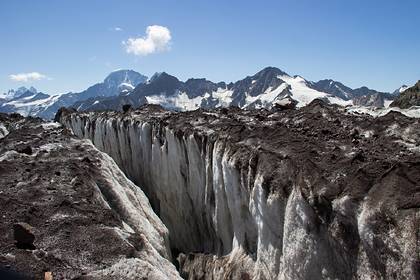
(192, 183)
(214, 201)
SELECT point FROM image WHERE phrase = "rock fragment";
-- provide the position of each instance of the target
(24, 235)
(126, 108)
(26, 150)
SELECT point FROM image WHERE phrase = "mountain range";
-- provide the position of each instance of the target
(263, 90)
(28, 102)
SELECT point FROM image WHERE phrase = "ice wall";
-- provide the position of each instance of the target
(219, 202)
(193, 186)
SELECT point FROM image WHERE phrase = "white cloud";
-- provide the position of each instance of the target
(118, 28)
(27, 77)
(157, 39)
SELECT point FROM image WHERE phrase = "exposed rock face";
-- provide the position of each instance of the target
(313, 193)
(285, 104)
(373, 100)
(88, 220)
(408, 98)
(335, 88)
(362, 96)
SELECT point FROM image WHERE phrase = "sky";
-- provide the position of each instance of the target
(67, 45)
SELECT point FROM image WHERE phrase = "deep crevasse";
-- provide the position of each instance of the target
(213, 203)
(195, 189)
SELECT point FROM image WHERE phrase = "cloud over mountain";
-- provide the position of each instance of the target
(27, 77)
(157, 39)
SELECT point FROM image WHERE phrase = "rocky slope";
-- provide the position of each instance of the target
(314, 193)
(409, 97)
(68, 209)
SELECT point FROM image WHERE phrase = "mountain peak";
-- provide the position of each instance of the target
(117, 77)
(270, 71)
(401, 89)
(12, 94)
(22, 90)
(162, 76)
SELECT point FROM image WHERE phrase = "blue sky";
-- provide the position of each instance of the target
(74, 43)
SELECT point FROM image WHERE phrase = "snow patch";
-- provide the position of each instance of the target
(387, 102)
(127, 85)
(3, 131)
(8, 155)
(180, 101)
(51, 147)
(224, 96)
(302, 93)
(267, 97)
(413, 112)
(51, 125)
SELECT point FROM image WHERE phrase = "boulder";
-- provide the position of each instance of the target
(24, 235)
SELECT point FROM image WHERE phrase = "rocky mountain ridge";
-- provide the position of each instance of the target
(45, 106)
(409, 97)
(262, 90)
(12, 94)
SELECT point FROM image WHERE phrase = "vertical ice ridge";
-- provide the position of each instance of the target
(242, 211)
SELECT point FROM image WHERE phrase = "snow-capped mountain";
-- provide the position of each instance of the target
(400, 90)
(120, 81)
(11, 94)
(265, 89)
(335, 88)
(24, 101)
(262, 90)
(28, 102)
(362, 96)
(409, 97)
(115, 83)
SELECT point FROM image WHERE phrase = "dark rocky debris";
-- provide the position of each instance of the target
(356, 177)
(54, 217)
(321, 152)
